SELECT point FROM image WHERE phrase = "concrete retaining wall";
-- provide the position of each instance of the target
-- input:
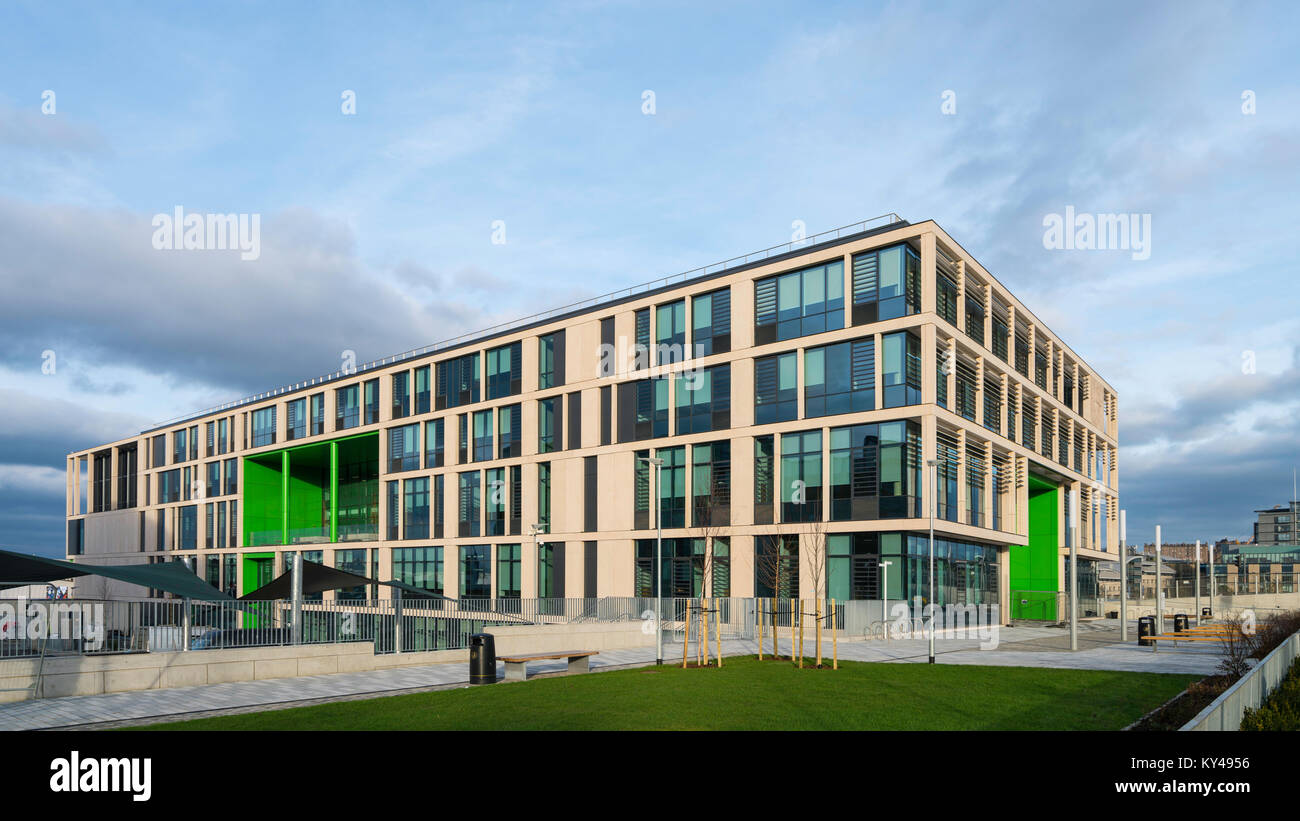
(93, 675)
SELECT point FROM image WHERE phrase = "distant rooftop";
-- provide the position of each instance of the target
(857, 229)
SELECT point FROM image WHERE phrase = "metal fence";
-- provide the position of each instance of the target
(93, 627)
(1226, 711)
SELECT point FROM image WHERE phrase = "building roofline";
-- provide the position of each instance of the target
(754, 259)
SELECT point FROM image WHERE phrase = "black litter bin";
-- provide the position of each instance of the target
(1205, 613)
(482, 659)
(1181, 622)
(1146, 627)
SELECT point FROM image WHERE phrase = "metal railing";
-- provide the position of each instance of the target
(1226, 711)
(585, 304)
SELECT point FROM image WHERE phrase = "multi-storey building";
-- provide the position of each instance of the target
(799, 406)
(1276, 526)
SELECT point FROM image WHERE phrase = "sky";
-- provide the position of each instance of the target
(612, 143)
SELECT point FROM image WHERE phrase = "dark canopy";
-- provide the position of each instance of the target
(317, 578)
(18, 569)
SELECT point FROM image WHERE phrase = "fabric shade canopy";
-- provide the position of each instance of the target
(317, 578)
(18, 569)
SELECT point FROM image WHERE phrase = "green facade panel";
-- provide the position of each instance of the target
(1033, 568)
(301, 495)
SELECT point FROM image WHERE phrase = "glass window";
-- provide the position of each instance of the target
(475, 572)
(508, 571)
(403, 448)
(347, 407)
(651, 408)
(799, 303)
(641, 349)
(776, 386)
(264, 427)
(975, 319)
(370, 410)
(458, 382)
(670, 332)
(901, 370)
(508, 432)
(317, 414)
(394, 511)
(169, 486)
(776, 565)
(801, 477)
(496, 502)
(641, 489)
(189, 527)
(504, 366)
(672, 493)
(434, 443)
(946, 297)
(401, 395)
(886, 284)
(544, 494)
(470, 503)
(483, 450)
(704, 400)
(416, 509)
(296, 409)
(852, 566)
(422, 389)
(840, 378)
(711, 322)
(881, 464)
(764, 478)
(711, 484)
(550, 367)
(999, 337)
(419, 567)
(352, 560)
(547, 435)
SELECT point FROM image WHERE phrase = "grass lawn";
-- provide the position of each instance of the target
(747, 694)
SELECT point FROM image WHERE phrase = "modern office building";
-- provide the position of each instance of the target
(794, 399)
(1275, 526)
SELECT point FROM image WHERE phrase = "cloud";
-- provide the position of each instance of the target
(88, 284)
(34, 479)
(51, 134)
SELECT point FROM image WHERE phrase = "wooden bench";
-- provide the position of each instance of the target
(517, 666)
(1184, 636)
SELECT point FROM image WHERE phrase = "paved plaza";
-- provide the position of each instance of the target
(1099, 649)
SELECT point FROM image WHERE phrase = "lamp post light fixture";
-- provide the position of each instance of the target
(934, 502)
(884, 596)
(536, 530)
(659, 567)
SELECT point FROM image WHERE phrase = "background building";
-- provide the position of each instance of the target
(795, 398)
(1276, 526)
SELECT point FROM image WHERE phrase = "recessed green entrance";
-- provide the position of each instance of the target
(1034, 579)
(258, 569)
(312, 494)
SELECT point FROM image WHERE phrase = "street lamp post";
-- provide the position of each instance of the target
(538, 546)
(1160, 593)
(1123, 576)
(1074, 569)
(934, 502)
(884, 596)
(659, 566)
(1210, 551)
(1198, 582)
